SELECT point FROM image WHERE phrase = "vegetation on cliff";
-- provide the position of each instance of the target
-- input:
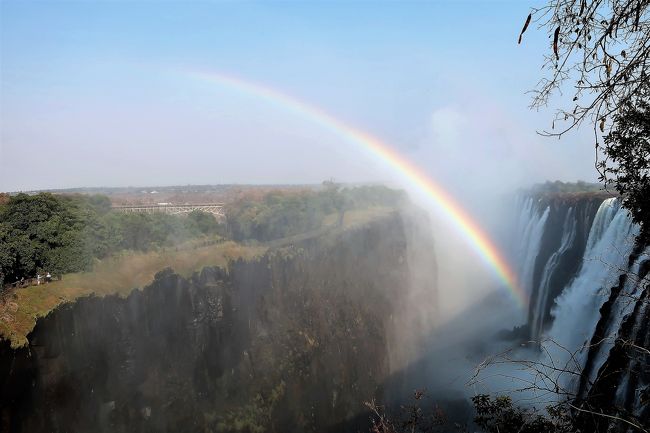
(66, 233)
(293, 340)
(119, 274)
(280, 214)
(73, 235)
(61, 234)
(628, 164)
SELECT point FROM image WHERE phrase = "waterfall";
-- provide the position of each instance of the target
(578, 258)
(576, 313)
(541, 302)
(529, 230)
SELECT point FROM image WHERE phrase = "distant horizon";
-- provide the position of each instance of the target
(315, 184)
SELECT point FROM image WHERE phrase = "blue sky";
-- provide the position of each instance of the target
(97, 93)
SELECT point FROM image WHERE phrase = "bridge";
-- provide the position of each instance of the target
(215, 209)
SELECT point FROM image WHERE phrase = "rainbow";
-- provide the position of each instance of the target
(414, 175)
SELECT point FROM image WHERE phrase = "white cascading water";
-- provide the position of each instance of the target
(530, 228)
(639, 404)
(576, 314)
(569, 229)
(622, 307)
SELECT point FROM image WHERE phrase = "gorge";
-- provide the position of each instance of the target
(300, 337)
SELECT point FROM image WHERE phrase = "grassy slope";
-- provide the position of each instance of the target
(20, 308)
(118, 275)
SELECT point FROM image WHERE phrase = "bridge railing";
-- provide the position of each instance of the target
(213, 208)
(167, 205)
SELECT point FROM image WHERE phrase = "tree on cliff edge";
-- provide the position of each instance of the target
(599, 56)
(627, 163)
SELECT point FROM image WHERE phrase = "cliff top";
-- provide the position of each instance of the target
(569, 192)
(20, 308)
(566, 187)
(573, 197)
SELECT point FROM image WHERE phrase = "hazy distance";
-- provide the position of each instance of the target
(100, 94)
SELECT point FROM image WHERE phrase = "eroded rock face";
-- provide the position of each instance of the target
(294, 341)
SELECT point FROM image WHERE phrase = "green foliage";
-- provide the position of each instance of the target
(7, 257)
(628, 159)
(61, 234)
(41, 232)
(499, 415)
(254, 417)
(280, 214)
(492, 415)
(204, 223)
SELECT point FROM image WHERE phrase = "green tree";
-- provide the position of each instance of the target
(499, 415)
(7, 256)
(204, 223)
(60, 234)
(627, 163)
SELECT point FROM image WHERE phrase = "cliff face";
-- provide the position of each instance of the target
(294, 341)
(616, 378)
(563, 233)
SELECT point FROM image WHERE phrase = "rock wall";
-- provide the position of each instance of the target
(294, 341)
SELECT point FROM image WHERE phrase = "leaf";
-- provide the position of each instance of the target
(556, 35)
(525, 27)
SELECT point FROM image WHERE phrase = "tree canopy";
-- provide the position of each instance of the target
(627, 162)
(68, 233)
(60, 234)
(281, 214)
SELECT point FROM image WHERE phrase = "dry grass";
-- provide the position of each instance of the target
(118, 275)
(359, 217)
(356, 217)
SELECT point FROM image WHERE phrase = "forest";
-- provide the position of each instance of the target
(68, 233)
(61, 234)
